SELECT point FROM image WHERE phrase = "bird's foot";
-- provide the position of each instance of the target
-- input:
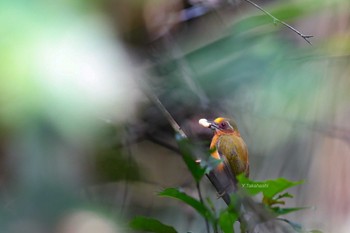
(220, 195)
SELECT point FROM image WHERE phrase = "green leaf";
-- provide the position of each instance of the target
(150, 225)
(196, 170)
(281, 211)
(210, 164)
(226, 221)
(269, 188)
(194, 203)
(284, 195)
(274, 201)
(113, 165)
(297, 227)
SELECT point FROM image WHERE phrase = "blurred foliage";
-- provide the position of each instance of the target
(59, 87)
(226, 220)
(185, 149)
(112, 165)
(269, 188)
(272, 192)
(150, 225)
(197, 205)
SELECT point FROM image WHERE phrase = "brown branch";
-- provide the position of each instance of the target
(305, 37)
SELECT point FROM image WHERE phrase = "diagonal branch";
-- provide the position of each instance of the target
(155, 100)
(276, 20)
(176, 127)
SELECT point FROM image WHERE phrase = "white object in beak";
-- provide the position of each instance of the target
(204, 122)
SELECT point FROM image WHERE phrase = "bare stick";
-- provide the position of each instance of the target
(176, 127)
(305, 37)
(155, 100)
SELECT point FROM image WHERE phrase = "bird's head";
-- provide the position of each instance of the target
(220, 125)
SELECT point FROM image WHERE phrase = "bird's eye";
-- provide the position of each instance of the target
(223, 125)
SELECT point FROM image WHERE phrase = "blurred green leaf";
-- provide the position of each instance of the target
(284, 195)
(112, 165)
(281, 211)
(269, 188)
(210, 164)
(194, 203)
(195, 168)
(272, 201)
(226, 220)
(150, 225)
(297, 227)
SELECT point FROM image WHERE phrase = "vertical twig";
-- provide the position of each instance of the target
(126, 188)
(202, 202)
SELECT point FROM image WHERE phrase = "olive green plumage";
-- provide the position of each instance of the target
(233, 148)
(229, 146)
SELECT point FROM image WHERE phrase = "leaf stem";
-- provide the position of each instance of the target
(202, 202)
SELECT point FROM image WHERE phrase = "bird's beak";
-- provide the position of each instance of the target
(213, 125)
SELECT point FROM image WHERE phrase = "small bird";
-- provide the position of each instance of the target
(228, 146)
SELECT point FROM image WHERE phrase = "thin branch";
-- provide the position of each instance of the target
(163, 142)
(305, 37)
(202, 202)
(176, 127)
(155, 100)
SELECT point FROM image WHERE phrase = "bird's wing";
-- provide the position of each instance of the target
(234, 151)
(227, 167)
(229, 173)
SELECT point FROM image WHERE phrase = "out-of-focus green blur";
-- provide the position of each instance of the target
(84, 146)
